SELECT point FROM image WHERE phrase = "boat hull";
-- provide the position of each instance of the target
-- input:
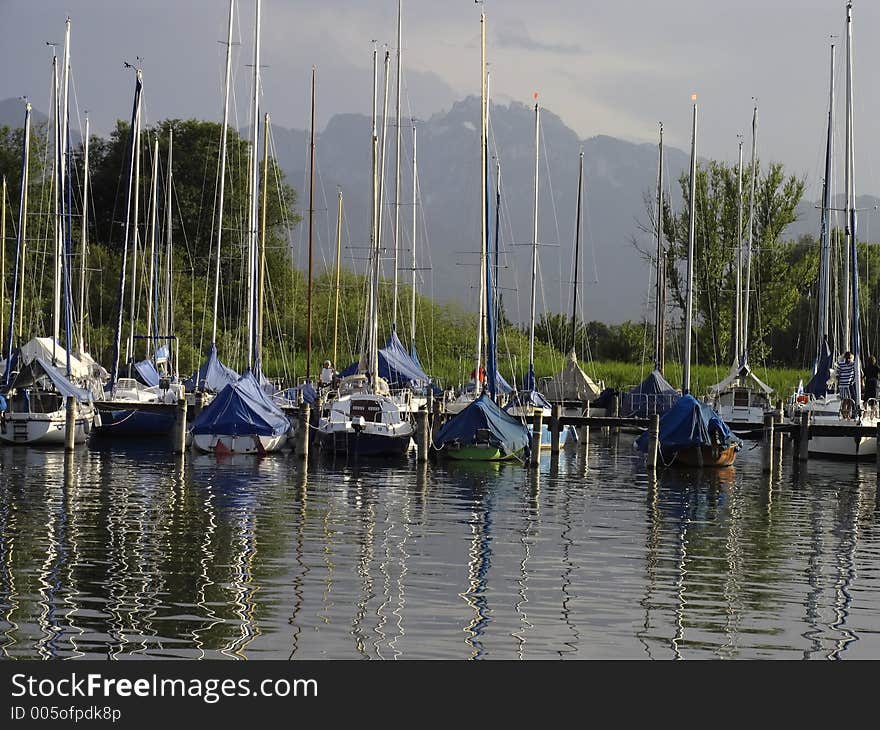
(478, 452)
(364, 443)
(130, 423)
(42, 429)
(222, 444)
(704, 456)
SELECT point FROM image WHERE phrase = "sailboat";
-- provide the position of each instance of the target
(572, 388)
(364, 419)
(525, 402)
(241, 418)
(482, 431)
(46, 374)
(824, 399)
(691, 433)
(742, 398)
(655, 395)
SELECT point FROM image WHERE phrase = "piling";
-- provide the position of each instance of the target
(615, 411)
(779, 434)
(436, 419)
(804, 438)
(70, 424)
(302, 437)
(422, 434)
(198, 403)
(653, 441)
(537, 426)
(769, 418)
(584, 432)
(179, 433)
(555, 428)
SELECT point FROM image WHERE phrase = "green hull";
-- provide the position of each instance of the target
(480, 453)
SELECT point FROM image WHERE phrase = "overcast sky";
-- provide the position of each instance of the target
(614, 68)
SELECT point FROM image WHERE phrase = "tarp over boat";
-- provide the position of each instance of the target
(213, 375)
(690, 423)
(653, 395)
(147, 372)
(484, 413)
(291, 395)
(396, 366)
(40, 367)
(241, 409)
(572, 383)
(527, 398)
(818, 385)
(740, 376)
(41, 347)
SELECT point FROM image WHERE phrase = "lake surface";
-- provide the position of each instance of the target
(128, 552)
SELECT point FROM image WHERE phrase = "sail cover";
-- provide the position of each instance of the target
(818, 385)
(653, 395)
(484, 413)
(213, 375)
(396, 366)
(690, 423)
(39, 367)
(572, 383)
(147, 372)
(241, 409)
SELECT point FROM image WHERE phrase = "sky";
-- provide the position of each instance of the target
(614, 68)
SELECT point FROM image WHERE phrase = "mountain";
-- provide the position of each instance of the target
(12, 114)
(617, 177)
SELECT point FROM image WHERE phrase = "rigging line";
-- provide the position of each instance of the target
(555, 215)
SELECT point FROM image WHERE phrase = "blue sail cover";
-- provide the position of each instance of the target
(818, 385)
(690, 423)
(653, 395)
(396, 366)
(213, 375)
(148, 373)
(241, 409)
(309, 394)
(484, 413)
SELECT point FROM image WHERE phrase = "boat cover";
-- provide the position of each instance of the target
(213, 375)
(396, 366)
(739, 375)
(572, 383)
(653, 395)
(527, 397)
(690, 423)
(41, 347)
(39, 367)
(147, 372)
(241, 409)
(309, 394)
(818, 385)
(484, 413)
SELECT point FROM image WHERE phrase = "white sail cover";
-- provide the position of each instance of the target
(739, 376)
(41, 347)
(572, 383)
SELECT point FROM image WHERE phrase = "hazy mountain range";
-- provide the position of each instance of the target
(619, 177)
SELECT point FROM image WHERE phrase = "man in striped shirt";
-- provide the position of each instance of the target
(846, 376)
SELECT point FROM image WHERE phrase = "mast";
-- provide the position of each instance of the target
(252, 238)
(397, 165)
(63, 264)
(261, 280)
(67, 247)
(744, 356)
(311, 227)
(338, 262)
(825, 231)
(851, 215)
(415, 192)
(530, 383)
(496, 295)
(491, 364)
(19, 244)
(483, 238)
(577, 251)
(132, 154)
(688, 318)
(84, 247)
(136, 131)
(168, 324)
(57, 204)
(660, 304)
(222, 173)
(3, 353)
(153, 288)
(737, 326)
(365, 364)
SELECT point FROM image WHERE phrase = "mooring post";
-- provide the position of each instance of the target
(437, 419)
(305, 420)
(615, 411)
(179, 435)
(537, 426)
(555, 428)
(653, 441)
(198, 403)
(584, 431)
(804, 438)
(769, 418)
(422, 434)
(779, 434)
(70, 423)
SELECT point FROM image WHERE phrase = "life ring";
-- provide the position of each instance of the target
(803, 398)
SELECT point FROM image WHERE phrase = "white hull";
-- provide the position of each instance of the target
(826, 412)
(226, 444)
(44, 429)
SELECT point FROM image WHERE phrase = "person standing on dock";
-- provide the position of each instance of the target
(872, 373)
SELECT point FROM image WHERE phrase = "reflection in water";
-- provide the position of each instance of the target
(137, 553)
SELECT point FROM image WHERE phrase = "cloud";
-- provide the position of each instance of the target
(514, 34)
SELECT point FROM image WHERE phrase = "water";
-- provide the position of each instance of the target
(131, 553)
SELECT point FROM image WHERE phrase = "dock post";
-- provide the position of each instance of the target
(804, 438)
(179, 444)
(422, 434)
(555, 428)
(305, 421)
(779, 434)
(537, 426)
(437, 419)
(769, 418)
(198, 403)
(653, 441)
(70, 423)
(584, 431)
(615, 411)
